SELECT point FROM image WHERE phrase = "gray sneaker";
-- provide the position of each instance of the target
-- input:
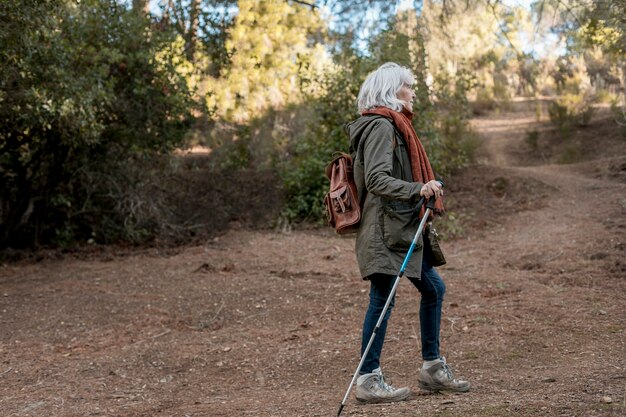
(439, 377)
(372, 388)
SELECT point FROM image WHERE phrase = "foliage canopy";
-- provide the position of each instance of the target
(84, 89)
(96, 95)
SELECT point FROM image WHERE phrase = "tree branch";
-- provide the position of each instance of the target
(305, 3)
(495, 14)
(569, 10)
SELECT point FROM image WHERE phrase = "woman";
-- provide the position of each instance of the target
(392, 172)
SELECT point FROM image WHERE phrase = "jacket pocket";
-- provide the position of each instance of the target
(399, 222)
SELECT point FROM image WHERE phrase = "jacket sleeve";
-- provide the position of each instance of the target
(378, 156)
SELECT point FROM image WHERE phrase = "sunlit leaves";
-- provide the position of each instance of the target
(268, 44)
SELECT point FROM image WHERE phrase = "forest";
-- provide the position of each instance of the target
(163, 243)
(161, 122)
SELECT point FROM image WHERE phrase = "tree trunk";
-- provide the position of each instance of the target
(192, 34)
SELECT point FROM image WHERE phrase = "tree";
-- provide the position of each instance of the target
(84, 89)
(594, 23)
(267, 45)
(203, 25)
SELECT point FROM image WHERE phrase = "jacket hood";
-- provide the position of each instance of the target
(357, 128)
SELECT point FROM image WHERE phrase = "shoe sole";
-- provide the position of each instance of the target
(383, 400)
(440, 388)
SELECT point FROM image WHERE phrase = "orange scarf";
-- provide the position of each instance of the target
(420, 165)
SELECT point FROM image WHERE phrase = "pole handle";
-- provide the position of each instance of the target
(431, 201)
(418, 207)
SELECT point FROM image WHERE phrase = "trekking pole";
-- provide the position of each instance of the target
(429, 207)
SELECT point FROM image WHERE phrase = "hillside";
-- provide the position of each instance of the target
(260, 323)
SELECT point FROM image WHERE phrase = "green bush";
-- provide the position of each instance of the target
(86, 89)
(571, 154)
(618, 109)
(303, 173)
(484, 102)
(604, 96)
(457, 142)
(532, 140)
(452, 225)
(569, 111)
(501, 92)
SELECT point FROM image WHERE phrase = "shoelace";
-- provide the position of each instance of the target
(386, 386)
(448, 371)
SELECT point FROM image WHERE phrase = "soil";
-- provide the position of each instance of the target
(267, 323)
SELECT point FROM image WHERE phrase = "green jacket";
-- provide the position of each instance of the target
(382, 172)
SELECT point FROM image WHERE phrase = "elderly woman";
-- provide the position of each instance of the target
(392, 172)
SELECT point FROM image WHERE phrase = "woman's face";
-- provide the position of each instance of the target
(406, 95)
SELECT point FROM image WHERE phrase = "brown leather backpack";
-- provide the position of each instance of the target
(343, 209)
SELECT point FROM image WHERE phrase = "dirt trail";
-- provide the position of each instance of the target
(267, 324)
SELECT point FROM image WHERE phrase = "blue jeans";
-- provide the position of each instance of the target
(432, 288)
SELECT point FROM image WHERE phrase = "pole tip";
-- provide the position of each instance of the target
(340, 409)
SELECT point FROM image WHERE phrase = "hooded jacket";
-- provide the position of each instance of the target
(382, 172)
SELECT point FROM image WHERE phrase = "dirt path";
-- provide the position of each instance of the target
(267, 324)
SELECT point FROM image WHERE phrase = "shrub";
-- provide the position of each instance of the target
(532, 140)
(457, 142)
(571, 154)
(86, 89)
(569, 111)
(303, 174)
(501, 92)
(452, 225)
(483, 103)
(619, 113)
(604, 96)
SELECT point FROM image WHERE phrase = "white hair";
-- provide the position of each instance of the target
(381, 86)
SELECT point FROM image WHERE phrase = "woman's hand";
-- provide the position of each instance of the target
(432, 188)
